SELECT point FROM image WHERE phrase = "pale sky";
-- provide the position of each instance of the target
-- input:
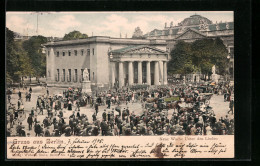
(57, 24)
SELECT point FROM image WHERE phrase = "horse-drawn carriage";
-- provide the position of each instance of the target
(205, 97)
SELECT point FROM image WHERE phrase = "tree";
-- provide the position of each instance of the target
(18, 63)
(37, 58)
(75, 35)
(24, 62)
(201, 55)
(11, 59)
(181, 62)
(208, 52)
(138, 33)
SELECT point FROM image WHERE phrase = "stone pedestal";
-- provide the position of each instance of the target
(86, 87)
(215, 77)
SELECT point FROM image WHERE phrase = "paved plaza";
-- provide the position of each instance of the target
(217, 103)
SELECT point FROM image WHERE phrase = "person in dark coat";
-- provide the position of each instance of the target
(96, 108)
(30, 121)
(108, 116)
(19, 103)
(231, 106)
(78, 114)
(104, 115)
(30, 90)
(108, 103)
(19, 95)
(38, 129)
(104, 127)
(32, 111)
(94, 117)
(69, 106)
(29, 96)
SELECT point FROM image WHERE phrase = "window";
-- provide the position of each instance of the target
(93, 76)
(93, 51)
(58, 75)
(88, 52)
(69, 78)
(63, 72)
(58, 54)
(69, 53)
(63, 53)
(76, 75)
(82, 52)
(82, 70)
(75, 52)
(48, 53)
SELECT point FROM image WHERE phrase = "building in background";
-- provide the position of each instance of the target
(198, 27)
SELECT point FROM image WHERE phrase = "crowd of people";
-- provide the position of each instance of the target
(112, 116)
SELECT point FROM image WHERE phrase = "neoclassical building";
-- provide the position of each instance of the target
(194, 28)
(110, 62)
(127, 61)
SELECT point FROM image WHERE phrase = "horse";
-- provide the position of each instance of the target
(174, 105)
(188, 100)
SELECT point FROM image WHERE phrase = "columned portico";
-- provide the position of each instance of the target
(140, 64)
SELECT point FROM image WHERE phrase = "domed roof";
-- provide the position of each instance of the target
(195, 20)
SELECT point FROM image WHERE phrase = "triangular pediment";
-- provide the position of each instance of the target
(141, 49)
(191, 34)
(145, 50)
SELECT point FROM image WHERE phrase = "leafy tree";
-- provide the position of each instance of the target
(18, 63)
(75, 35)
(37, 58)
(138, 33)
(11, 57)
(208, 52)
(201, 55)
(24, 62)
(181, 62)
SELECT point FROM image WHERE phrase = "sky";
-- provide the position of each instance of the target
(57, 24)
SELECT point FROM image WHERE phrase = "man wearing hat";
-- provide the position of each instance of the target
(108, 116)
(96, 108)
(30, 121)
(94, 117)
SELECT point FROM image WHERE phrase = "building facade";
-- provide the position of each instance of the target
(125, 62)
(194, 28)
(110, 62)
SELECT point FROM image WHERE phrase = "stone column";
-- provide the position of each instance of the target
(161, 72)
(130, 73)
(112, 73)
(148, 73)
(140, 80)
(165, 73)
(156, 73)
(121, 75)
